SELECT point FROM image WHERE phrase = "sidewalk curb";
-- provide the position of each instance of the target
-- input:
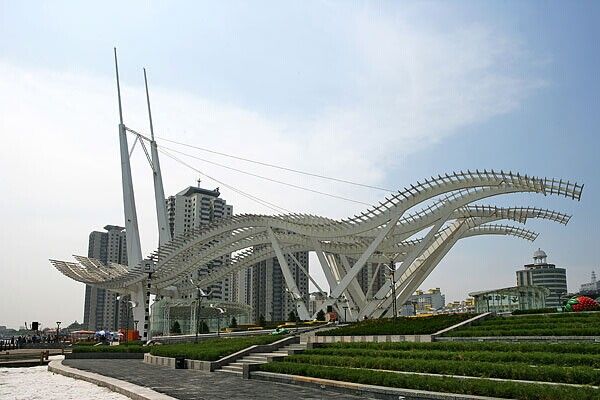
(130, 390)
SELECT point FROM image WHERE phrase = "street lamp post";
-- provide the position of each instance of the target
(135, 322)
(200, 294)
(221, 312)
(345, 308)
(57, 331)
(392, 269)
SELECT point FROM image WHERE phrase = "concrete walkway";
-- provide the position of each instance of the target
(199, 385)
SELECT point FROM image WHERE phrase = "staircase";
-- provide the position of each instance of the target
(261, 358)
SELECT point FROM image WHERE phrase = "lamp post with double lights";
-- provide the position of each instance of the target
(392, 269)
(200, 294)
(133, 304)
(58, 331)
(221, 312)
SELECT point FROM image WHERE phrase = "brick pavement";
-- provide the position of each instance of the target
(199, 385)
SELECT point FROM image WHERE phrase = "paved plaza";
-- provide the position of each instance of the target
(198, 385)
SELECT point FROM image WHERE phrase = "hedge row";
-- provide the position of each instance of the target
(211, 349)
(111, 349)
(574, 375)
(536, 358)
(400, 326)
(480, 387)
(488, 332)
(574, 348)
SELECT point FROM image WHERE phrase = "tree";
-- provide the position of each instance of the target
(233, 323)
(176, 328)
(321, 315)
(292, 316)
(261, 320)
(203, 328)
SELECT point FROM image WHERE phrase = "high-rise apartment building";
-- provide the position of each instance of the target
(193, 208)
(269, 296)
(543, 274)
(102, 310)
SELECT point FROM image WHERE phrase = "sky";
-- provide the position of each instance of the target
(385, 93)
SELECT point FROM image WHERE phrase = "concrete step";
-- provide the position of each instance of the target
(229, 371)
(232, 368)
(254, 360)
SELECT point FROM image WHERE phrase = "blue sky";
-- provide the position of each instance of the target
(400, 91)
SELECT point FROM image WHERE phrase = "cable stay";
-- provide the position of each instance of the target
(258, 200)
(267, 178)
(278, 166)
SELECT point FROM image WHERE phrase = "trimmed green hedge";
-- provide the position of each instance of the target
(211, 349)
(401, 326)
(574, 348)
(535, 358)
(564, 324)
(547, 373)
(111, 349)
(481, 387)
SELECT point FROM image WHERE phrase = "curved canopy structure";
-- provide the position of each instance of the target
(411, 230)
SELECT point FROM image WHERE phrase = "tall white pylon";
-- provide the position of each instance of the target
(132, 233)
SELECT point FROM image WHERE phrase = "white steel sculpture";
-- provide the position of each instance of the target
(411, 231)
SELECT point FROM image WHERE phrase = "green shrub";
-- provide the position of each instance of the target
(481, 387)
(400, 326)
(211, 349)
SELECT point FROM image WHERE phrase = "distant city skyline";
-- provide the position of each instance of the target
(402, 91)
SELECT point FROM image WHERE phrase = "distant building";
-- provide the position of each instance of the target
(269, 296)
(510, 299)
(543, 274)
(316, 301)
(422, 302)
(459, 307)
(195, 208)
(592, 287)
(102, 310)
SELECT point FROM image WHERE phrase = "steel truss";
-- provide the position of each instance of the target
(415, 227)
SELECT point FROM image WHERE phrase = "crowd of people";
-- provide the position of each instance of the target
(18, 342)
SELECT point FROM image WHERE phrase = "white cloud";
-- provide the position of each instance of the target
(59, 166)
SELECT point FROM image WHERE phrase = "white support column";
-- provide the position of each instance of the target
(289, 278)
(372, 282)
(349, 294)
(354, 288)
(327, 270)
(429, 264)
(376, 304)
(360, 263)
(305, 272)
